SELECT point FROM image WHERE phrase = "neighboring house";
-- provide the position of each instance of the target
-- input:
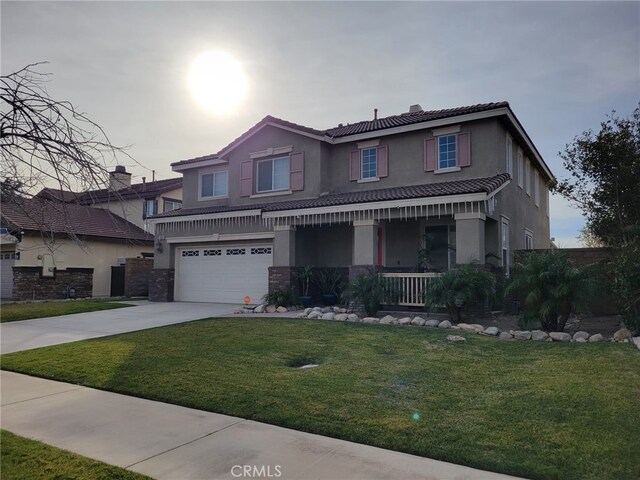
(467, 183)
(134, 202)
(50, 246)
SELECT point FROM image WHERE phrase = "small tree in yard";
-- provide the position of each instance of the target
(459, 289)
(371, 290)
(551, 287)
(605, 168)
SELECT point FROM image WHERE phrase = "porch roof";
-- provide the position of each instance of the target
(486, 185)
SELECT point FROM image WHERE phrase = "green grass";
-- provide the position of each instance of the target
(538, 410)
(13, 312)
(24, 459)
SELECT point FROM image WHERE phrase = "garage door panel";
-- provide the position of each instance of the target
(223, 274)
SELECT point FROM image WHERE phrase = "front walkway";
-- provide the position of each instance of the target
(42, 332)
(170, 442)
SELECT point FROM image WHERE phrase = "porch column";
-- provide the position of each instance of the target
(470, 237)
(284, 246)
(365, 242)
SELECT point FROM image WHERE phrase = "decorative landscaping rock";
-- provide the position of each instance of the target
(326, 310)
(352, 317)
(388, 319)
(455, 327)
(581, 340)
(539, 335)
(491, 331)
(341, 317)
(335, 309)
(369, 320)
(444, 324)
(432, 323)
(404, 321)
(238, 310)
(596, 338)
(521, 334)
(477, 327)
(385, 321)
(621, 335)
(560, 337)
(307, 311)
(455, 339)
(317, 309)
(260, 308)
(271, 309)
(581, 335)
(418, 321)
(282, 309)
(314, 315)
(465, 327)
(328, 316)
(636, 341)
(506, 336)
(301, 315)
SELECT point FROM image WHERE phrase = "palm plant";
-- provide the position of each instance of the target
(551, 287)
(459, 289)
(371, 290)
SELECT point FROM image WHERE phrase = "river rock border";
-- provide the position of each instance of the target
(339, 314)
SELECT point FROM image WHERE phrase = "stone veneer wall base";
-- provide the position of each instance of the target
(29, 284)
(161, 282)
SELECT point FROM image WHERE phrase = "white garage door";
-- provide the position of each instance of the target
(222, 274)
(6, 272)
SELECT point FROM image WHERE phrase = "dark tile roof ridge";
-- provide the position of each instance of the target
(454, 187)
(135, 190)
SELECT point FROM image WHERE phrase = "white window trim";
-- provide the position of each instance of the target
(214, 196)
(536, 188)
(271, 151)
(527, 177)
(505, 220)
(363, 179)
(446, 170)
(509, 155)
(438, 132)
(528, 233)
(273, 190)
(270, 193)
(368, 144)
(520, 168)
(164, 204)
(368, 180)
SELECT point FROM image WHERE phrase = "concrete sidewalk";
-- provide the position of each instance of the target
(169, 442)
(42, 332)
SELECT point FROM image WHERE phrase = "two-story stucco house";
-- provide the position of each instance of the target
(356, 196)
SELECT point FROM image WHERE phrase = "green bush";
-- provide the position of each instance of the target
(329, 280)
(551, 287)
(371, 291)
(625, 273)
(460, 289)
(282, 297)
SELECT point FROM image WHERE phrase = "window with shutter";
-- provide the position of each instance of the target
(368, 164)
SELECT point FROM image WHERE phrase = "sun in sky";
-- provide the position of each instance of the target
(217, 82)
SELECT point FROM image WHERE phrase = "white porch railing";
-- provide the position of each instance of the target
(410, 286)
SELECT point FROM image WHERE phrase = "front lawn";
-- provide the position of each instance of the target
(12, 312)
(24, 459)
(537, 410)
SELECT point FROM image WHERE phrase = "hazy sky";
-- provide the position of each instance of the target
(562, 66)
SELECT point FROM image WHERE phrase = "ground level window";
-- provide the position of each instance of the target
(505, 245)
(528, 240)
(439, 248)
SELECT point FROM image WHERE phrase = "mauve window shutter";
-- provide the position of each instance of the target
(464, 150)
(354, 167)
(430, 155)
(383, 161)
(246, 178)
(296, 171)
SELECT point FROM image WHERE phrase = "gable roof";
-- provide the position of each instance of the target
(457, 187)
(350, 129)
(58, 195)
(38, 214)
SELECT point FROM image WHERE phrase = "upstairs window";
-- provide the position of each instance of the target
(170, 205)
(213, 185)
(369, 162)
(446, 151)
(273, 175)
(536, 187)
(150, 208)
(520, 169)
(509, 156)
(527, 178)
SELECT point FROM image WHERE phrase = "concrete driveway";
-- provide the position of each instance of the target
(41, 332)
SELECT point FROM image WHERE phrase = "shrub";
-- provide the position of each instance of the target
(329, 280)
(282, 297)
(306, 276)
(625, 272)
(370, 290)
(551, 287)
(460, 289)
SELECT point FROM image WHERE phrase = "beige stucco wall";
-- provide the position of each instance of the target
(65, 253)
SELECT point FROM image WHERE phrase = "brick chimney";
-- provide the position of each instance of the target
(119, 179)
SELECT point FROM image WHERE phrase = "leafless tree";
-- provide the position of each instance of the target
(47, 142)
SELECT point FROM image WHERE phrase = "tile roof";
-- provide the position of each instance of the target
(53, 216)
(359, 127)
(456, 187)
(58, 194)
(138, 190)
